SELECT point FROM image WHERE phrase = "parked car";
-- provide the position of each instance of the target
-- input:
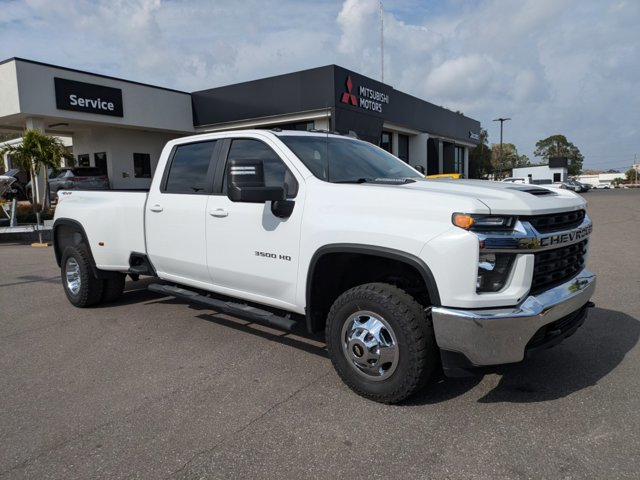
(602, 185)
(18, 187)
(76, 178)
(454, 176)
(562, 185)
(576, 186)
(51, 174)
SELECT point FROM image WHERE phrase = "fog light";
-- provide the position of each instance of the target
(493, 271)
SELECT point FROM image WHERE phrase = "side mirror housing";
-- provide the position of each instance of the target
(245, 183)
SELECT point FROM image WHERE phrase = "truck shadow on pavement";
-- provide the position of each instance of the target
(594, 351)
(583, 359)
(136, 292)
(299, 338)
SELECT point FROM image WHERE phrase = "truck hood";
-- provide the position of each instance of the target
(505, 198)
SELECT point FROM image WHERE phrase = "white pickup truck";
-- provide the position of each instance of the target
(405, 275)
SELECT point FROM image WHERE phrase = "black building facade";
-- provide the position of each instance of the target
(333, 98)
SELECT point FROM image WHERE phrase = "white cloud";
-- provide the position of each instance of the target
(468, 77)
(553, 66)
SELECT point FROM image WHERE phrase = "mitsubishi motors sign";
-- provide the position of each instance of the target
(363, 96)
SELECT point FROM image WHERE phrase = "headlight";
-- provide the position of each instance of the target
(493, 271)
(483, 223)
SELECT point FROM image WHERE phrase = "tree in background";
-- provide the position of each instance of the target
(617, 181)
(36, 151)
(559, 146)
(480, 158)
(510, 160)
(632, 175)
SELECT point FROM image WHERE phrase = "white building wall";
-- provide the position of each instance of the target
(120, 145)
(9, 100)
(322, 123)
(418, 150)
(143, 106)
(540, 173)
(589, 179)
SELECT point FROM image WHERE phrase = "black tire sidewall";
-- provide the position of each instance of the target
(90, 287)
(391, 304)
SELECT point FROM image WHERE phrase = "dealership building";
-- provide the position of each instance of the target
(121, 126)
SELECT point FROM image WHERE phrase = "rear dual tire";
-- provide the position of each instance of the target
(82, 287)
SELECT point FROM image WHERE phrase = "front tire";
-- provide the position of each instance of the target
(381, 342)
(81, 286)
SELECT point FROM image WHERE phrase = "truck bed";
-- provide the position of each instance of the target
(113, 222)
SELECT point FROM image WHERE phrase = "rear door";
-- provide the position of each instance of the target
(175, 214)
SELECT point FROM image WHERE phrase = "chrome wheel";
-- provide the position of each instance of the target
(370, 345)
(73, 277)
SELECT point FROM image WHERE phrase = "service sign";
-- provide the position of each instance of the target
(89, 98)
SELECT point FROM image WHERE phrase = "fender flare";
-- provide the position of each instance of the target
(67, 222)
(74, 224)
(413, 261)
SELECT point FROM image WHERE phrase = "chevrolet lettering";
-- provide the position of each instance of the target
(406, 276)
(568, 237)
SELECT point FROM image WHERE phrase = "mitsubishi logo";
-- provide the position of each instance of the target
(348, 97)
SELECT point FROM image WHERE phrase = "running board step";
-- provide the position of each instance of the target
(239, 309)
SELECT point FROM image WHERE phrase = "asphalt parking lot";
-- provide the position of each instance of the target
(153, 388)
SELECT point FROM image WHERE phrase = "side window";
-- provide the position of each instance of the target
(141, 165)
(189, 166)
(276, 174)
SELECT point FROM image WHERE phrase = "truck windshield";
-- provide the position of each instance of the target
(346, 160)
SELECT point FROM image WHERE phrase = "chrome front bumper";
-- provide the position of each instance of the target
(497, 336)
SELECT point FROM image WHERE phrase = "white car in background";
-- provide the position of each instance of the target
(602, 186)
(562, 185)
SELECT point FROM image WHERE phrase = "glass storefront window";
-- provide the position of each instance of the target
(403, 147)
(458, 160)
(386, 141)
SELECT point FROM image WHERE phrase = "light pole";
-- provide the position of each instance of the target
(501, 120)
(381, 42)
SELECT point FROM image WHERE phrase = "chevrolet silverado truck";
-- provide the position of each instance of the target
(406, 276)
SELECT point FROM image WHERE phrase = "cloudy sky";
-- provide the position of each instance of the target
(554, 66)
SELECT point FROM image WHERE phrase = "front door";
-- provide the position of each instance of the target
(251, 252)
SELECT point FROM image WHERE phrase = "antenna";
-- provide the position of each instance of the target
(381, 42)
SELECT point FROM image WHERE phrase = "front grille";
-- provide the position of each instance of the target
(555, 222)
(553, 267)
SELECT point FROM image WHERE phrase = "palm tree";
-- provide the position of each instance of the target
(36, 151)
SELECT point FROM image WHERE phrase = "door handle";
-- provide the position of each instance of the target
(219, 212)
(156, 208)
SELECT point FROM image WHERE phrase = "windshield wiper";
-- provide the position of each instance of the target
(356, 180)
